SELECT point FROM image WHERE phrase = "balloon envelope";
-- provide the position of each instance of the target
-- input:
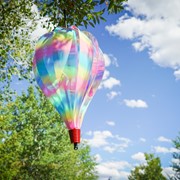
(68, 66)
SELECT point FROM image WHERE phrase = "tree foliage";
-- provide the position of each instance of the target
(34, 143)
(14, 19)
(150, 171)
(176, 157)
(79, 12)
(19, 19)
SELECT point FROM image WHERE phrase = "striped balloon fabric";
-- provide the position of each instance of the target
(68, 66)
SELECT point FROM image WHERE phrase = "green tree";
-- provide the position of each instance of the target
(176, 157)
(34, 143)
(150, 171)
(18, 20)
(79, 12)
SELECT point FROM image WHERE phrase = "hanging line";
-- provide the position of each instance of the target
(65, 21)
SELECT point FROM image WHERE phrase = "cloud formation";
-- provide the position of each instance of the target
(99, 138)
(163, 139)
(161, 149)
(109, 82)
(113, 169)
(110, 123)
(98, 158)
(177, 74)
(107, 141)
(151, 27)
(139, 157)
(135, 103)
(112, 94)
(142, 139)
(107, 59)
(39, 30)
(168, 172)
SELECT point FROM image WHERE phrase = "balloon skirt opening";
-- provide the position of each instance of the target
(75, 137)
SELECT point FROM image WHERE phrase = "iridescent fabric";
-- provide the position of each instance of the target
(68, 66)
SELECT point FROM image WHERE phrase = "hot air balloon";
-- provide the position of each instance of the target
(68, 66)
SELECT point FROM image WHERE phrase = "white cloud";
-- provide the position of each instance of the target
(107, 59)
(110, 83)
(168, 172)
(106, 74)
(112, 94)
(176, 161)
(139, 157)
(126, 140)
(152, 9)
(161, 149)
(163, 139)
(110, 123)
(110, 149)
(113, 169)
(152, 28)
(135, 103)
(99, 138)
(39, 31)
(116, 147)
(110, 59)
(142, 139)
(98, 158)
(108, 142)
(177, 74)
(114, 60)
(89, 133)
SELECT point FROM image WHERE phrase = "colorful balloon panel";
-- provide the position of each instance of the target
(68, 66)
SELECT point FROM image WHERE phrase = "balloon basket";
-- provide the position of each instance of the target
(75, 135)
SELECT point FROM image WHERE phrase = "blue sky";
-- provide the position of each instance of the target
(136, 108)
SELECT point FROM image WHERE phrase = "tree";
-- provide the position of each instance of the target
(34, 143)
(18, 20)
(80, 12)
(150, 171)
(176, 157)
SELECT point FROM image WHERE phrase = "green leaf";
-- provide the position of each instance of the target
(91, 24)
(35, 143)
(102, 18)
(111, 4)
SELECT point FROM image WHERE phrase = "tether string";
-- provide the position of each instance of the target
(65, 22)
